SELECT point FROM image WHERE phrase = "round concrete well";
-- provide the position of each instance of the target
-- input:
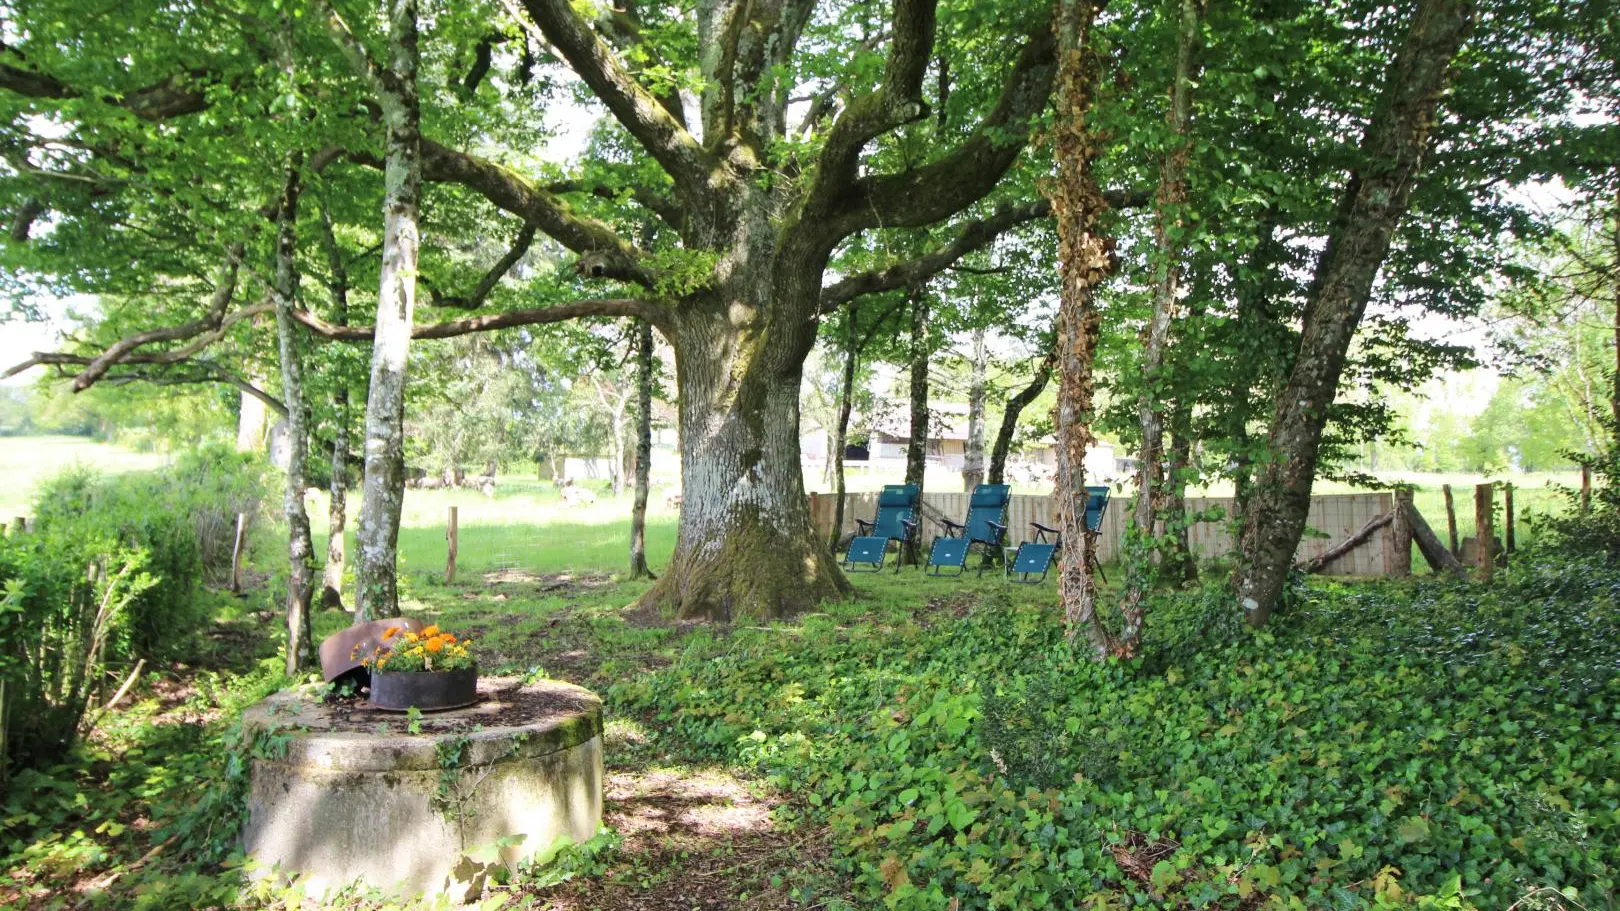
(355, 795)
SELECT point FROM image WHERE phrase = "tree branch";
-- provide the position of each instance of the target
(649, 121)
(974, 235)
(211, 373)
(172, 97)
(493, 277)
(636, 307)
(224, 290)
(935, 191)
(897, 101)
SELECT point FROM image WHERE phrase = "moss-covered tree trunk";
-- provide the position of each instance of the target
(337, 513)
(300, 549)
(745, 546)
(917, 445)
(1392, 153)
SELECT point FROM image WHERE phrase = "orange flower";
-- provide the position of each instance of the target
(435, 644)
(448, 637)
(430, 632)
(390, 633)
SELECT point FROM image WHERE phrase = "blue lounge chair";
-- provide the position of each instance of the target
(985, 525)
(895, 520)
(1035, 556)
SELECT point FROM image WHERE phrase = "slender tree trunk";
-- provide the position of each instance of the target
(1009, 418)
(1182, 567)
(846, 400)
(338, 510)
(384, 487)
(917, 446)
(1169, 248)
(1257, 374)
(1374, 202)
(300, 549)
(1614, 279)
(1085, 258)
(973, 458)
(638, 511)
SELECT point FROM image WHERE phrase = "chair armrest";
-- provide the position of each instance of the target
(996, 525)
(951, 528)
(1046, 528)
(863, 526)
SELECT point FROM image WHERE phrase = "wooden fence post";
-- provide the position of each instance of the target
(1484, 532)
(236, 552)
(1507, 531)
(450, 560)
(1451, 519)
(1586, 490)
(1400, 562)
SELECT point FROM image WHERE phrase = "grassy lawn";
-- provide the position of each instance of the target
(25, 461)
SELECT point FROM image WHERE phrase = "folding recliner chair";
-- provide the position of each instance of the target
(894, 520)
(984, 525)
(1035, 556)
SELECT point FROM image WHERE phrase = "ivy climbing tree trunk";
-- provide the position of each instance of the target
(1392, 153)
(1085, 259)
(973, 456)
(1009, 417)
(638, 511)
(338, 488)
(1169, 243)
(1182, 565)
(383, 491)
(300, 549)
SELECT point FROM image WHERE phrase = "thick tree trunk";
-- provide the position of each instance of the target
(1374, 203)
(973, 457)
(338, 490)
(377, 538)
(300, 548)
(638, 511)
(1085, 258)
(746, 548)
(846, 401)
(917, 446)
(1009, 419)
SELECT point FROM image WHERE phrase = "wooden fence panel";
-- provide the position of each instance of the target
(1337, 516)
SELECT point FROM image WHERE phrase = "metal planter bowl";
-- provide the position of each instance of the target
(428, 691)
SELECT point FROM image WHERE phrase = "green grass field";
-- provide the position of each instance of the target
(25, 461)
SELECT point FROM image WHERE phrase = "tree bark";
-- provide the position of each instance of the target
(1085, 258)
(746, 547)
(1182, 565)
(840, 440)
(300, 548)
(638, 511)
(1009, 418)
(338, 488)
(384, 487)
(1374, 202)
(917, 445)
(973, 457)
(1169, 248)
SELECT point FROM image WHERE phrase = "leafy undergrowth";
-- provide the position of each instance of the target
(935, 744)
